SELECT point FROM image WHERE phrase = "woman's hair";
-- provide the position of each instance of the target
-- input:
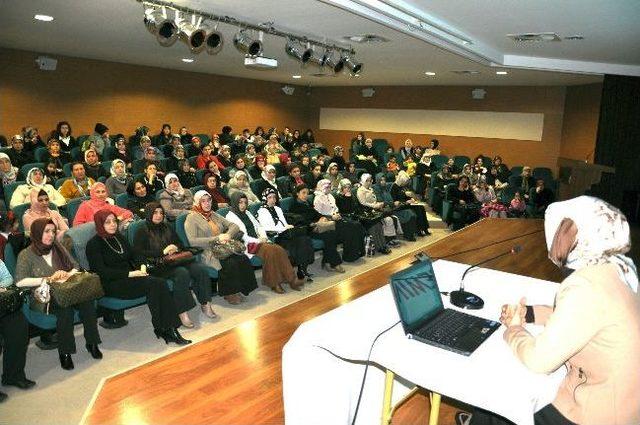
(59, 126)
(299, 188)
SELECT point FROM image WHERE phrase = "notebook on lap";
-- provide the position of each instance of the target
(424, 318)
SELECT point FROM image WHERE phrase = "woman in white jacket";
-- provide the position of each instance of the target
(295, 240)
(35, 180)
(276, 267)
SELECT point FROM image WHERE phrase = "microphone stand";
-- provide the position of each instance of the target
(469, 300)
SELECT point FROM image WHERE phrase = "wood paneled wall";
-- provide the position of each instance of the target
(546, 100)
(581, 114)
(124, 96)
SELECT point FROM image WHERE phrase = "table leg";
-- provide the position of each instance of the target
(386, 403)
(435, 408)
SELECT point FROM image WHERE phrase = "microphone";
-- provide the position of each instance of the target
(468, 300)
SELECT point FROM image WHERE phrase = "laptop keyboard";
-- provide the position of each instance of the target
(449, 326)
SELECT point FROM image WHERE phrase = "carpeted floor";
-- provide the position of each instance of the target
(61, 397)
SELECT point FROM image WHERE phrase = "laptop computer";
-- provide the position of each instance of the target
(424, 318)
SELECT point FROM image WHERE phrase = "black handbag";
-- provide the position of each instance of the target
(11, 300)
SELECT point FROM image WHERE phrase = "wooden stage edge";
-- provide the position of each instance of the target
(235, 377)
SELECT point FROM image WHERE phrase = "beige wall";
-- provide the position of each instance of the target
(548, 101)
(123, 97)
(581, 115)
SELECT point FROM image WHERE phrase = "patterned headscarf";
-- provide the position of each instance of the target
(602, 235)
(265, 195)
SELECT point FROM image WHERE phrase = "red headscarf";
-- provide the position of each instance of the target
(99, 218)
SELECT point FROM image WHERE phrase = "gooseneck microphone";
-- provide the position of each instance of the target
(468, 300)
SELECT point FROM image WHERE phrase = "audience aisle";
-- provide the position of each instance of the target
(61, 397)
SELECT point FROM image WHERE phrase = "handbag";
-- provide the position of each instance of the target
(222, 251)
(324, 226)
(11, 300)
(79, 288)
(181, 258)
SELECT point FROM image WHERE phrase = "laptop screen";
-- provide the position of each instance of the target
(416, 294)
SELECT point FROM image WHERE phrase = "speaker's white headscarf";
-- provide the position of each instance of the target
(603, 235)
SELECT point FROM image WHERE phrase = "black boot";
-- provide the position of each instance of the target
(94, 351)
(3, 396)
(66, 361)
(171, 335)
(178, 339)
(307, 274)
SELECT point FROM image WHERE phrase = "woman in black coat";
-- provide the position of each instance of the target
(399, 194)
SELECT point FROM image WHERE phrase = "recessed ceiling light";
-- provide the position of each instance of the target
(429, 73)
(187, 60)
(501, 72)
(296, 76)
(43, 18)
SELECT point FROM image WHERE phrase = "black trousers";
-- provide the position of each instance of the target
(422, 222)
(351, 234)
(548, 415)
(182, 278)
(330, 252)
(15, 332)
(300, 250)
(163, 310)
(64, 325)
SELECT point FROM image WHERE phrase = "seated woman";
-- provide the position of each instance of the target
(204, 227)
(98, 202)
(186, 174)
(494, 181)
(517, 206)
(212, 187)
(40, 209)
(467, 171)
(351, 174)
(35, 180)
(240, 164)
(123, 153)
(257, 168)
(406, 200)
(93, 166)
(333, 175)
(338, 157)
(14, 330)
(156, 239)
(119, 180)
(350, 232)
(249, 155)
(138, 198)
(349, 208)
(174, 199)
(151, 178)
(177, 154)
(240, 183)
(479, 167)
(390, 223)
(490, 206)
(55, 154)
(503, 170)
(46, 260)
(368, 157)
(52, 172)
(223, 159)
(308, 216)
(464, 202)
(296, 241)
(540, 197)
(204, 157)
(592, 328)
(223, 176)
(276, 267)
(8, 174)
(439, 184)
(111, 257)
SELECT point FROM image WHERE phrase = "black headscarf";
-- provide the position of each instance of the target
(234, 205)
(160, 235)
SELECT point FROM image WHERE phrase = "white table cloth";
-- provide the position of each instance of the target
(320, 388)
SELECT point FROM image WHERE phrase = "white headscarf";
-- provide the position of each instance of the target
(402, 178)
(167, 180)
(123, 177)
(603, 235)
(198, 196)
(364, 177)
(30, 177)
(265, 173)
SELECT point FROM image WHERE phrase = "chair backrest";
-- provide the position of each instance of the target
(487, 162)
(460, 160)
(121, 200)
(204, 138)
(447, 191)
(106, 166)
(82, 138)
(254, 207)
(200, 175)
(439, 160)
(380, 146)
(543, 173)
(9, 189)
(285, 203)
(66, 169)
(193, 161)
(514, 180)
(59, 182)
(507, 194)
(76, 153)
(40, 153)
(180, 229)
(255, 186)
(72, 208)
(80, 236)
(133, 228)
(19, 210)
(516, 170)
(223, 211)
(138, 165)
(10, 259)
(109, 153)
(194, 189)
(24, 170)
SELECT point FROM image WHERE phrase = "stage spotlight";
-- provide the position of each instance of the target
(159, 24)
(247, 45)
(299, 52)
(192, 34)
(214, 42)
(354, 67)
(319, 58)
(336, 64)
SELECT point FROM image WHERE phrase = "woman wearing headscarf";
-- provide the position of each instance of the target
(99, 201)
(333, 175)
(349, 207)
(490, 206)
(401, 193)
(240, 183)
(258, 167)
(390, 223)
(35, 180)
(593, 327)
(8, 173)
(56, 155)
(276, 267)
(297, 243)
(204, 227)
(338, 157)
(467, 170)
(268, 181)
(93, 166)
(211, 184)
(308, 216)
(40, 209)
(152, 180)
(46, 260)
(250, 154)
(156, 239)
(439, 184)
(350, 233)
(119, 180)
(138, 198)
(223, 159)
(177, 154)
(186, 174)
(111, 257)
(240, 164)
(174, 199)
